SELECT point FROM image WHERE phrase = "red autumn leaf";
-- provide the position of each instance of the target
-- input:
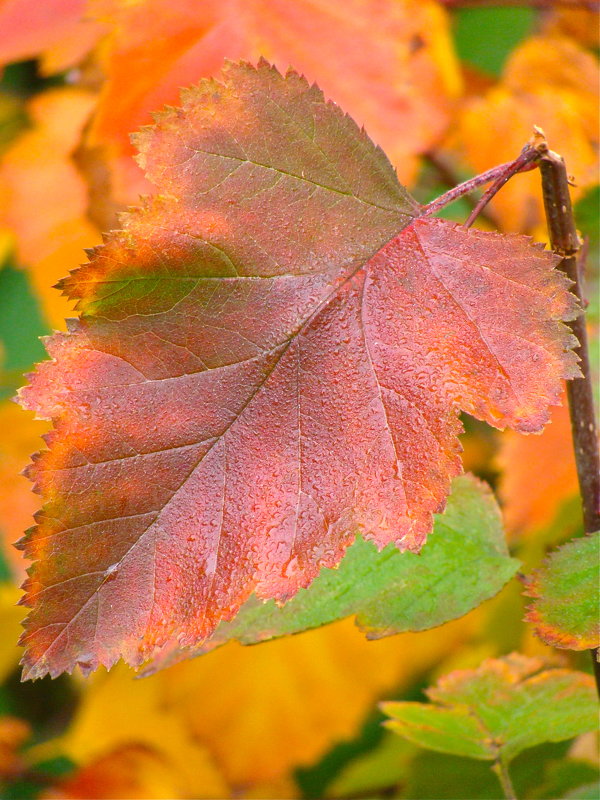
(271, 357)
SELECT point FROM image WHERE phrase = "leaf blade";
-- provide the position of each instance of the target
(566, 606)
(213, 353)
(480, 713)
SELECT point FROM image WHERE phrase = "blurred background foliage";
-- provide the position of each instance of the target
(448, 89)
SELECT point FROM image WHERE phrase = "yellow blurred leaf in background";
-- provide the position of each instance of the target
(548, 81)
(21, 438)
(259, 711)
(44, 197)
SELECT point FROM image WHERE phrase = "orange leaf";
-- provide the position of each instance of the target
(134, 771)
(245, 392)
(538, 474)
(13, 734)
(389, 63)
(37, 169)
(550, 82)
(56, 30)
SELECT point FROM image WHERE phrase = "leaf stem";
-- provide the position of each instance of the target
(565, 242)
(448, 176)
(525, 161)
(500, 767)
(464, 188)
(498, 175)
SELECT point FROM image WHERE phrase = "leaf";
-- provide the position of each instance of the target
(265, 367)
(14, 733)
(135, 771)
(578, 22)
(410, 86)
(498, 710)
(588, 792)
(11, 617)
(464, 563)
(533, 494)
(17, 503)
(49, 235)
(259, 712)
(57, 30)
(385, 765)
(541, 772)
(566, 608)
(548, 81)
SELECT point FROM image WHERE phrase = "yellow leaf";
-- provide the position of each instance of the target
(44, 197)
(260, 711)
(550, 82)
(10, 624)
(17, 502)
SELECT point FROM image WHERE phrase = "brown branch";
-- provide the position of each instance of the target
(565, 241)
(448, 176)
(468, 186)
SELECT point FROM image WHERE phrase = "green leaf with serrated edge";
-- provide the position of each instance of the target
(566, 591)
(464, 563)
(499, 709)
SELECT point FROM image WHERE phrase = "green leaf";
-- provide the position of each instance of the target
(590, 791)
(464, 562)
(566, 608)
(543, 772)
(504, 29)
(498, 710)
(375, 771)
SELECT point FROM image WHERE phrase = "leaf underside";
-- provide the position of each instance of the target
(566, 608)
(496, 711)
(271, 357)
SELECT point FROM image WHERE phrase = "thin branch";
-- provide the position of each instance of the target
(525, 161)
(565, 242)
(447, 175)
(464, 188)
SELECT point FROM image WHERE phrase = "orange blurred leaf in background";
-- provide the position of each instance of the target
(404, 95)
(58, 32)
(548, 81)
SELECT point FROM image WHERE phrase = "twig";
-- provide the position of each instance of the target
(494, 174)
(448, 176)
(501, 770)
(525, 161)
(565, 242)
